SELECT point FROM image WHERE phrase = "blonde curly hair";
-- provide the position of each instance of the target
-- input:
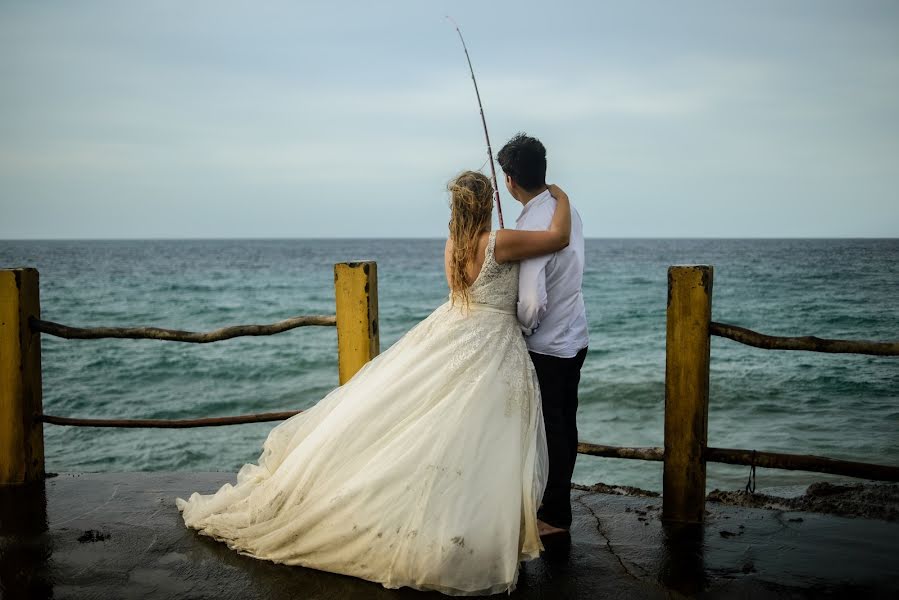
(471, 203)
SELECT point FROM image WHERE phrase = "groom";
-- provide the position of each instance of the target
(553, 319)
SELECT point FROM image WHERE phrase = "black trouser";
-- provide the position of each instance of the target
(559, 378)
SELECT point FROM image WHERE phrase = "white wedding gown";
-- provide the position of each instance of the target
(424, 470)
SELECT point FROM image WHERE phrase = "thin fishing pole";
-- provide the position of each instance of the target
(499, 208)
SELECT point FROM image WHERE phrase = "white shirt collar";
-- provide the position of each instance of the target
(538, 199)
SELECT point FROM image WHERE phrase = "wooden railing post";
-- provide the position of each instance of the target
(356, 294)
(21, 435)
(686, 392)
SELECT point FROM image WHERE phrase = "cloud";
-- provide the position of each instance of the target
(128, 104)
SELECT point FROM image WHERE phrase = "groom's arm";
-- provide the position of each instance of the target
(532, 293)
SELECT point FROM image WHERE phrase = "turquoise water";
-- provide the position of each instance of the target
(842, 406)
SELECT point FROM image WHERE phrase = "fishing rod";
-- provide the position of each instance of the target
(499, 208)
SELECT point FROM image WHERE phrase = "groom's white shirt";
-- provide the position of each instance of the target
(550, 302)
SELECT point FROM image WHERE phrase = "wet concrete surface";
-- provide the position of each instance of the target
(119, 535)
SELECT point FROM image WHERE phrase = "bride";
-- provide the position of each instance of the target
(425, 469)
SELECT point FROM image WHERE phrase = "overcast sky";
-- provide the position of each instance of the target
(346, 119)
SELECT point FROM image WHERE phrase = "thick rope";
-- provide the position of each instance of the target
(174, 335)
(168, 423)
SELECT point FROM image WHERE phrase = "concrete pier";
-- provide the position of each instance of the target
(119, 535)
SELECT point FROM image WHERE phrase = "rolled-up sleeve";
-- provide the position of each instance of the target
(532, 293)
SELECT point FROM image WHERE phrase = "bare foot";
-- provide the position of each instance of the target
(545, 529)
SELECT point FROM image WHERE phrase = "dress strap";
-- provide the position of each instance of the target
(491, 247)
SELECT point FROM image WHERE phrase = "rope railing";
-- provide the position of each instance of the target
(174, 335)
(168, 423)
(689, 329)
(753, 458)
(808, 343)
(657, 454)
(802, 462)
(733, 456)
(21, 326)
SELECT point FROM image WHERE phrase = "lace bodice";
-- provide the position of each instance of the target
(496, 284)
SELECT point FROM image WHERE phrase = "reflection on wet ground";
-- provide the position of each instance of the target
(26, 546)
(119, 535)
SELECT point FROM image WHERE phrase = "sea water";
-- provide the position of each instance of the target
(841, 406)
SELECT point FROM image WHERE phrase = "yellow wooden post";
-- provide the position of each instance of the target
(356, 294)
(686, 392)
(21, 435)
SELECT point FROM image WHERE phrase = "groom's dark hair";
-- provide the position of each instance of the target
(523, 158)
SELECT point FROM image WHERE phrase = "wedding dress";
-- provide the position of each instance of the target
(424, 470)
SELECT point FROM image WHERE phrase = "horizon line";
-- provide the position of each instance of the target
(399, 238)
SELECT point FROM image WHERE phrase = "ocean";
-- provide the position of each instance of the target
(841, 406)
